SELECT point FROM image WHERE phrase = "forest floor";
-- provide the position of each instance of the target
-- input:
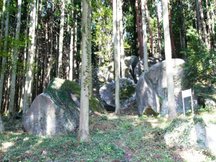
(125, 138)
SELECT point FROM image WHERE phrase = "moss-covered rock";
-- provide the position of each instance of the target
(56, 111)
(67, 93)
(127, 93)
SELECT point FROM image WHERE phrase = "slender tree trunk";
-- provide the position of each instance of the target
(61, 38)
(2, 20)
(169, 64)
(30, 59)
(148, 19)
(121, 38)
(182, 32)
(144, 26)
(208, 24)
(159, 16)
(71, 58)
(24, 59)
(198, 16)
(75, 47)
(14, 61)
(4, 60)
(172, 36)
(203, 24)
(139, 29)
(116, 41)
(213, 17)
(84, 101)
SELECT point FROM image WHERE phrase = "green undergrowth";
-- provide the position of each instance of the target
(123, 138)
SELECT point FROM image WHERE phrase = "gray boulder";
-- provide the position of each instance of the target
(151, 89)
(47, 118)
(194, 132)
(127, 94)
(56, 111)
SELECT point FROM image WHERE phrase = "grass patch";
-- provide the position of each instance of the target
(113, 138)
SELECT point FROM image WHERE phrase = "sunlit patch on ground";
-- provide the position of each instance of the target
(6, 145)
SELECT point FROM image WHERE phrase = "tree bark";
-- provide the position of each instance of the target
(61, 38)
(84, 100)
(5, 47)
(198, 25)
(139, 29)
(169, 65)
(121, 38)
(203, 24)
(116, 44)
(71, 58)
(2, 19)
(14, 61)
(144, 33)
(30, 59)
(159, 16)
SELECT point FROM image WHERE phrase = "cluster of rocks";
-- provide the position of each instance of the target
(56, 111)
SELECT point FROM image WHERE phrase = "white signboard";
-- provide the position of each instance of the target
(185, 94)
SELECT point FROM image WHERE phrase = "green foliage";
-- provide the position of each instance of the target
(129, 16)
(200, 65)
(102, 31)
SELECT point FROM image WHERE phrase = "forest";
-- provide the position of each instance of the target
(103, 80)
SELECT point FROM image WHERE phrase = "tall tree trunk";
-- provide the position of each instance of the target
(172, 36)
(61, 38)
(84, 100)
(75, 47)
(116, 44)
(144, 26)
(24, 59)
(208, 24)
(4, 60)
(182, 33)
(169, 64)
(2, 19)
(203, 24)
(71, 58)
(198, 21)
(139, 29)
(30, 59)
(159, 16)
(148, 20)
(121, 30)
(14, 61)
(213, 17)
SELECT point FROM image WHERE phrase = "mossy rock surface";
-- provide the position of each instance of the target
(56, 111)
(62, 91)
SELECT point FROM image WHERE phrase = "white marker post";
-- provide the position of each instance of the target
(185, 94)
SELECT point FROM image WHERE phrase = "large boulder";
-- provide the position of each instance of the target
(56, 111)
(151, 90)
(127, 94)
(196, 132)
